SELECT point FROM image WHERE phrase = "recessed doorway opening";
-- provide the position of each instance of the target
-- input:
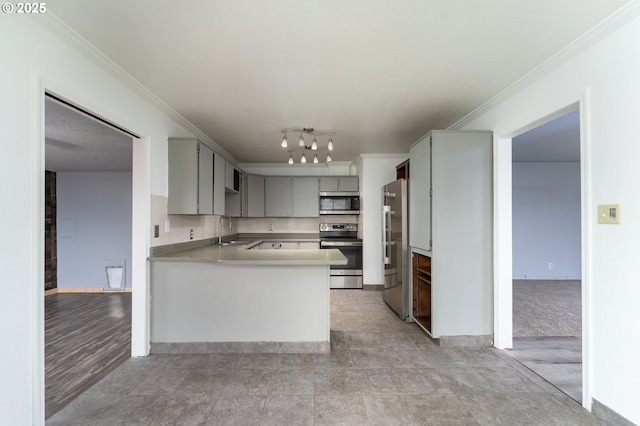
(546, 252)
(89, 176)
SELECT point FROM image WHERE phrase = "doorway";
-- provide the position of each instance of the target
(87, 324)
(546, 241)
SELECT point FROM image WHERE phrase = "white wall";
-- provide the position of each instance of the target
(34, 59)
(546, 221)
(605, 79)
(94, 225)
(374, 171)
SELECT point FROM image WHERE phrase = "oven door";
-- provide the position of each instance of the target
(349, 275)
(352, 251)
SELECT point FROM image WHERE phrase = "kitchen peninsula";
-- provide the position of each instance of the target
(208, 297)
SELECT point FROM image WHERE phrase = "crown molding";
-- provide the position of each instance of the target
(307, 165)
(69, 36)
(384, 156)
(622, 16)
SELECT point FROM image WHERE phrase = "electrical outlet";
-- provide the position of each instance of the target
(270, 227)
(167, 226)
(156, 231)
(609, 214)
(191, 234)
(550, 265)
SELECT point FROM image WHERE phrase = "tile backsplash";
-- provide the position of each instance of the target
(260, 225)
(281, 225)
(210, 226)
(181, 225)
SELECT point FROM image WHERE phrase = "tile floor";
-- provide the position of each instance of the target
(380, 372)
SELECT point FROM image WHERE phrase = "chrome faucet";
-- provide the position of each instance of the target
(220, 226)
(220, 229)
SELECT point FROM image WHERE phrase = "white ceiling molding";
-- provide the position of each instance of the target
(384, 156)
(619, 18)
(60, 29)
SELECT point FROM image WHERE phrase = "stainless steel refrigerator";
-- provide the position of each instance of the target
(395, 247)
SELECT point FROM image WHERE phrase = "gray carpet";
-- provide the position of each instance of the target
(547, 308)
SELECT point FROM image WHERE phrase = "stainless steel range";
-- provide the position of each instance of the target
(344, 237)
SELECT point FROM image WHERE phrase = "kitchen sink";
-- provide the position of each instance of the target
(236, 242)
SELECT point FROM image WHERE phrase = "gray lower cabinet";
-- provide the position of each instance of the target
(191, 177)
(305, 245)
(305, 199)
(275, 245)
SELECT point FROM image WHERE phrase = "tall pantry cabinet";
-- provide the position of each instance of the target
(451, 233)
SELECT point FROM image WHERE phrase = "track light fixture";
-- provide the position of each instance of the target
(303, 147)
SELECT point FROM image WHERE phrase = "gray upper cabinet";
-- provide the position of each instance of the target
(339, 184)
(190, 177)
(219, 177)
(235, 203)
(451, 175)
(348, 184)
(419, 195)
(205, 180)
(328, 183)
(232, 178)
(287, 196)
(277, 190)
(255, 196)
(306, 202)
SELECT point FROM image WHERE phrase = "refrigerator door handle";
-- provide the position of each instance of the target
(386, 211)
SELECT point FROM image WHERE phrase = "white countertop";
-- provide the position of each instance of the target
(241, 255)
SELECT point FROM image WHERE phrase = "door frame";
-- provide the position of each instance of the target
(503, 246)
(141, 190)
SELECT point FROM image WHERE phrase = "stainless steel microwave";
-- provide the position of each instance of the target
(339, 203)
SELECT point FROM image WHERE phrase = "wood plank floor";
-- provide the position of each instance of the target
(556, 359)
(87, 336)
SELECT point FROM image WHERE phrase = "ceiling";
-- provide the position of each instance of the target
(379, 73)
(75, 142)
(555, 141)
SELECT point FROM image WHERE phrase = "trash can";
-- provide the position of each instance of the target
(115, 274)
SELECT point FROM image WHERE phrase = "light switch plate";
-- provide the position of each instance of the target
(167, 226)
(609, 214)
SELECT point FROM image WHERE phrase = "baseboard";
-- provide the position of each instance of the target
(462, 341)
(239, 347)
(373, 287)
(609, 416)
(84, 290)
